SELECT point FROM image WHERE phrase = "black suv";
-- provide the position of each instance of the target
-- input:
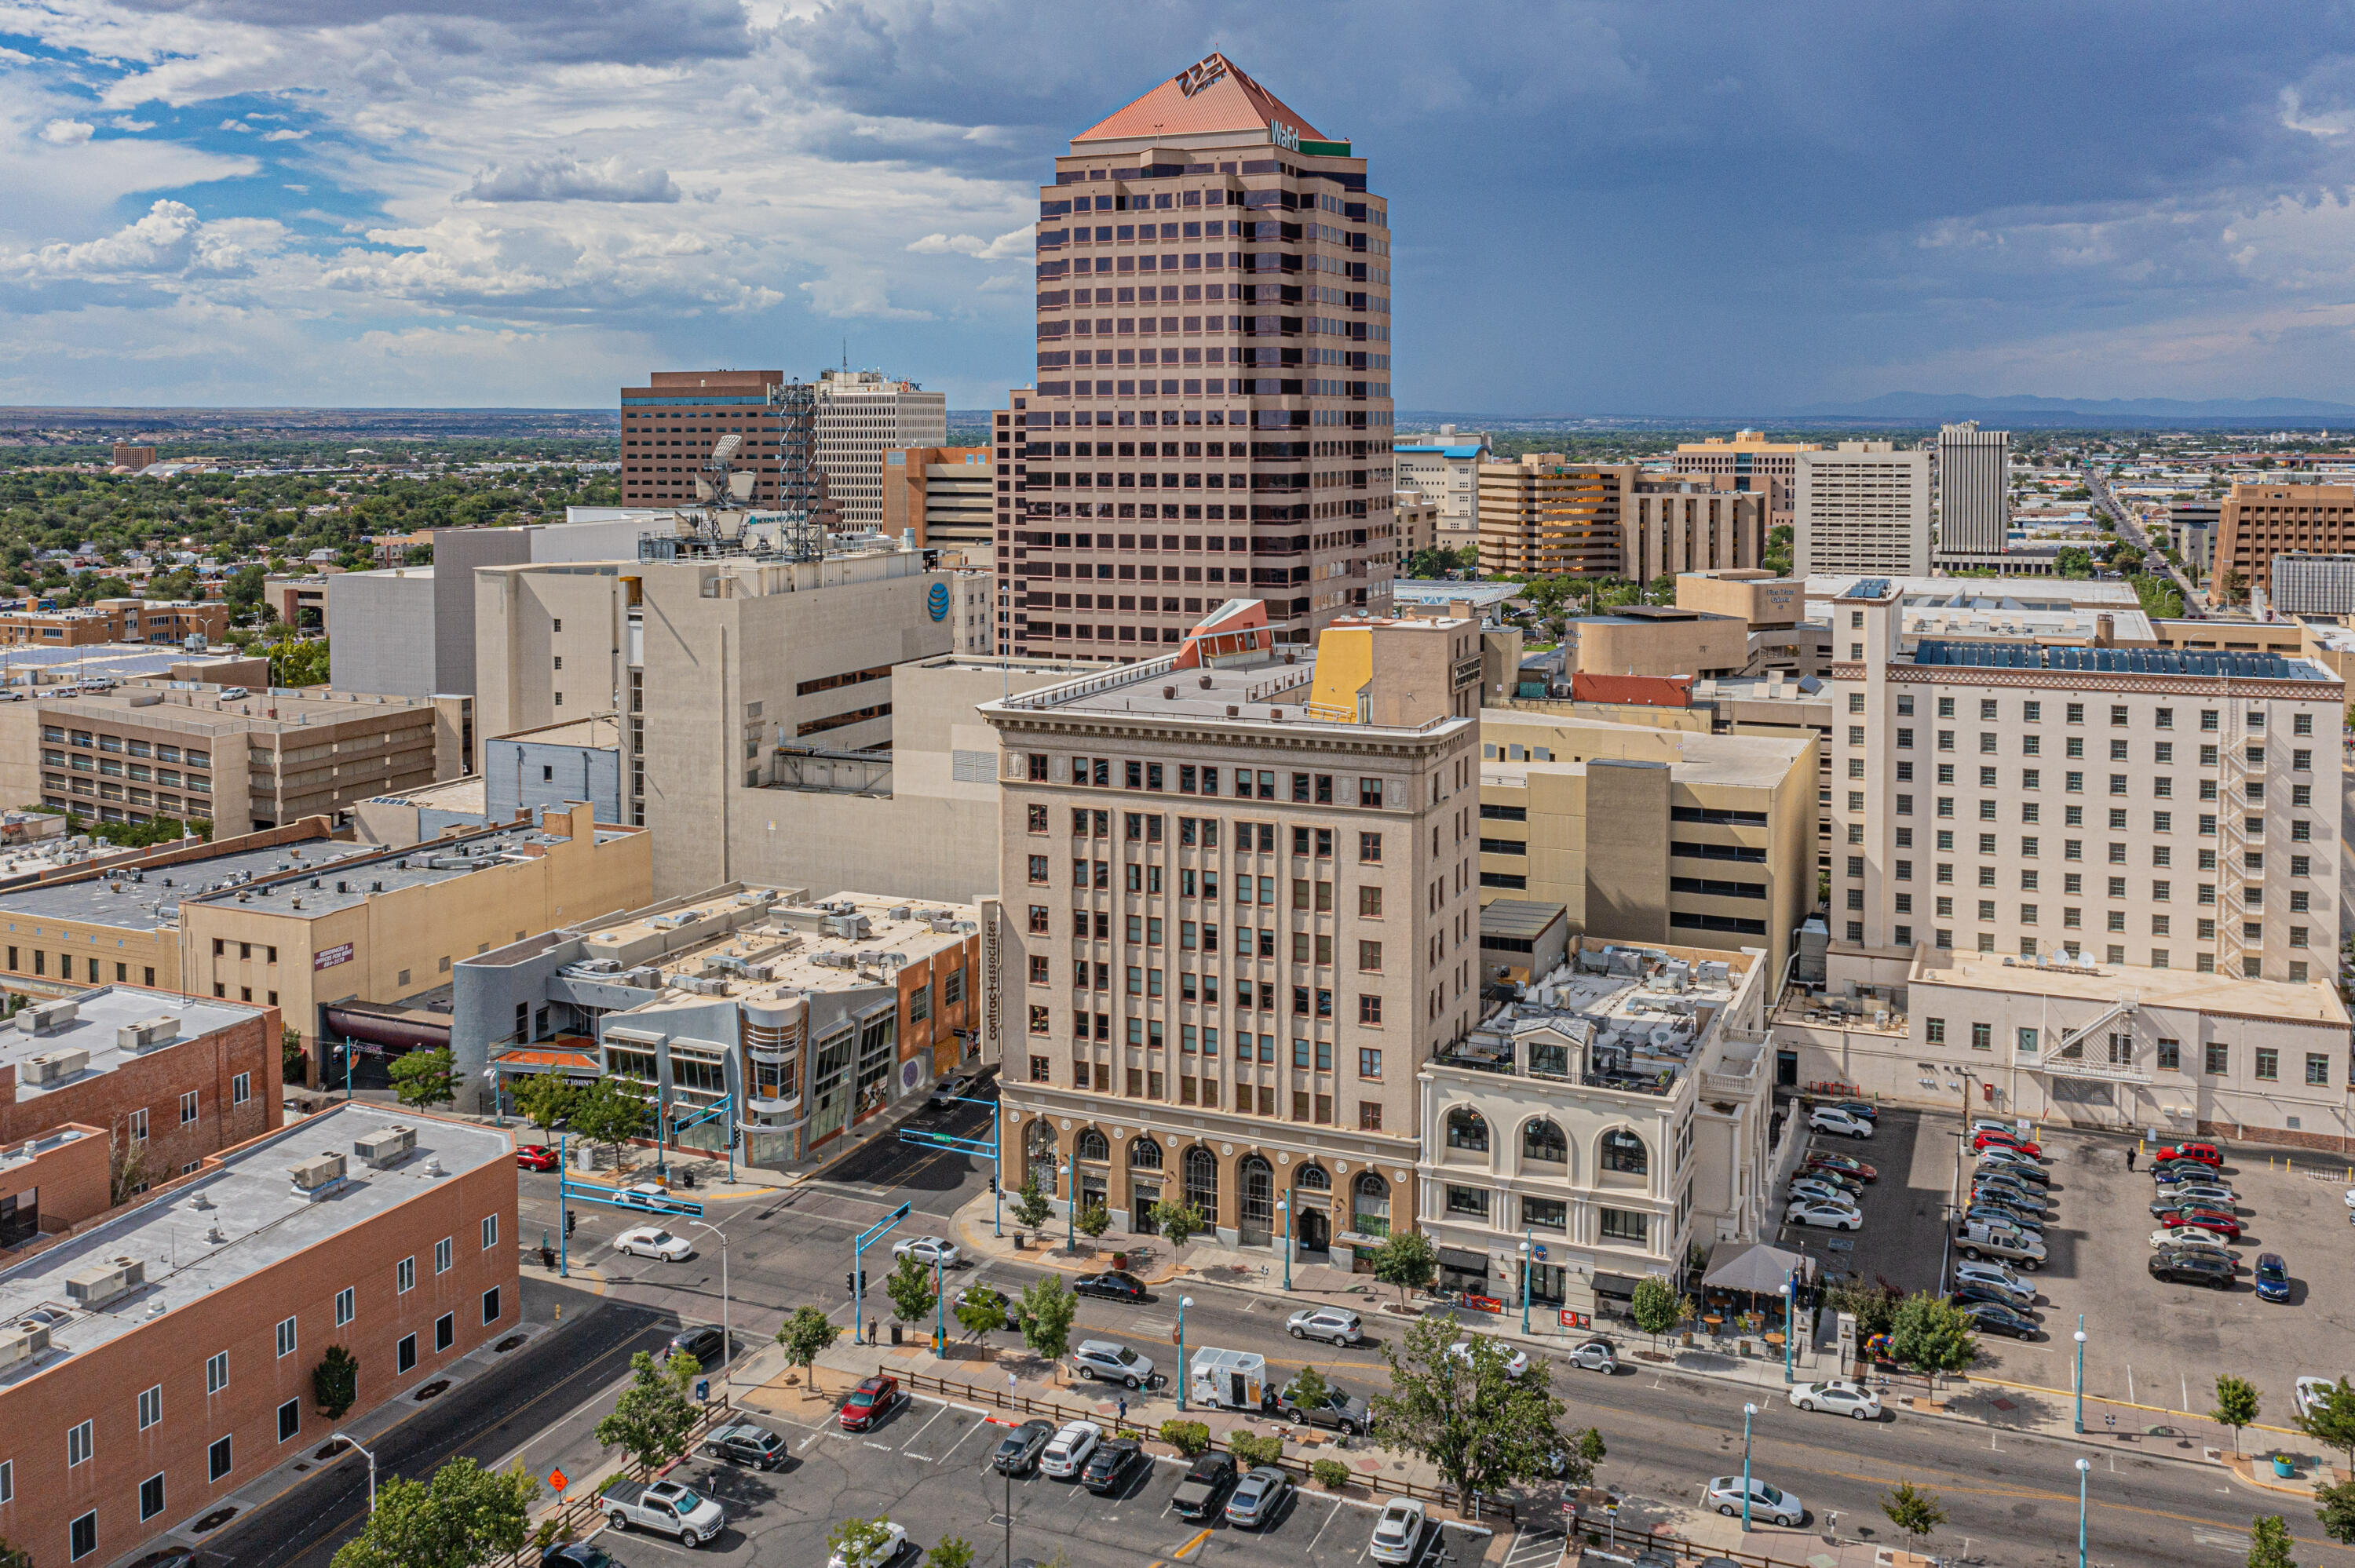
(2188, 1267)
(1340, 1409)
(1109, 1467)
(704, 1343)
(1018, 1452)
(745, 1444)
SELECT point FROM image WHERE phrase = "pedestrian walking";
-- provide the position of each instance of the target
(2131, 1151)
(1123, 1408)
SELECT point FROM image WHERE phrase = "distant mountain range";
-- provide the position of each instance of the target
(1964, 405)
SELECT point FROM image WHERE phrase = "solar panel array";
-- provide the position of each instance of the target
(2193, 662)
(1868, 587)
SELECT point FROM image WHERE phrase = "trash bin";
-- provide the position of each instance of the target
(895, 1333)
(2284, 1467)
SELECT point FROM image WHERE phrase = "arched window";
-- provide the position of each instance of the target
(1312, 1179)
(1623, 1151)
(1369, 1206)
(1541, 1141)
(1093, 1147)
(1144, 1155)
(1468, 1130)
(1258, 1180)
(1202, 1182)
(1038, 1153)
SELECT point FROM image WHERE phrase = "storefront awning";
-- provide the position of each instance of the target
(1469, 1262)
(1616, 1286)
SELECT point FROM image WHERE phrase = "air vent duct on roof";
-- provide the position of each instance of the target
(111, 1281)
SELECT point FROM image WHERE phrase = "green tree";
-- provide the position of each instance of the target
(1031, 1206)
(610, 1115)
(856, 1539)
(423, 1078)
(1177, 1222)
(2073, 562)
(1874, 1306)
(336, 1381)
(1191, 1438)
(1932, 1335)
(1251, 1450)
(546, 1099)
(2231, 585)
(1331, 1473)
(1777, 558)
(1407, 1260)
(243, 588)
(2236, 1404)
(463, 1517)
(14, 1557)
(805, 1335)
(1093, 1220)
(2338, 1512)
(1912, 1511)
(953, 1552)
(1309, 1390)
(297, 661)
(1591, 1449)
(1045, 1312)
(910, 1286)
(1654, 1305)
(2269, 1543)
(2330, 1420)
(1474, 1422)
(651, 1420)
(983, 1310)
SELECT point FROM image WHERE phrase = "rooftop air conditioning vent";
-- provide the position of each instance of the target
(1231, 711)
(376, 888)
(386, 1147)
(901, 912)
(1204, 681)
(45, 1016)
(53, 1066)
(316, 1174)
(111, 1280)
(433, 1167)
(146, 1034)
(22, 1343)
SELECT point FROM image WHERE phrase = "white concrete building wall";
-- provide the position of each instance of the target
(1862, 507)
(860, 415)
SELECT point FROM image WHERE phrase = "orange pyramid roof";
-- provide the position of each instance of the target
(1212, 96)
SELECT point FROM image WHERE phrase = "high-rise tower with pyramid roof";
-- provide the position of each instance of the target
(1211, 415)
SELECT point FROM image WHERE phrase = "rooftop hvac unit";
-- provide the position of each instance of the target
(22, 1343)
(761, 898)
(317, 1173)
(44, 1017)
(901, 912)
(146, 1034)
(850, 927)
(94, 1287)
(53, 1066)
(386, 1147)
(646, 977)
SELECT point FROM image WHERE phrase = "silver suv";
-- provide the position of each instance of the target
(1111, 1362)
(1334, 1325)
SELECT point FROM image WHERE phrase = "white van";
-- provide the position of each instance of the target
(1227, 1379)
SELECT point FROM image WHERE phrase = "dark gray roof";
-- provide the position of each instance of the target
(1868, 587)
(2194, 662)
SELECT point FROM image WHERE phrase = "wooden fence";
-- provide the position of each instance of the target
(581, 1514)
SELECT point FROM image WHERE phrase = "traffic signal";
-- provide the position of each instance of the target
(854, 1280)
(570, 1220)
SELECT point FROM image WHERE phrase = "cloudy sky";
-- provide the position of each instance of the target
(1639, 207)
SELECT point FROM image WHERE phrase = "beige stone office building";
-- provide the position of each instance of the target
(1443, 468)
(1240, 912)
(1863, 507)
(1675, 528)
(1212, 416)
(861, 415)
(2141, 809)
(1750, 464)
(1543, 517)
(2258, 522)
(1647, 834)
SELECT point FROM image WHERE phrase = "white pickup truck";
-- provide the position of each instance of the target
(665, 1506)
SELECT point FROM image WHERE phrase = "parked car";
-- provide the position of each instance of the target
(1995, 1318)
(2203, 1153)
(1112, 1362)
(652, 1241)
(1398, 1533)
(1968, 1292)
(536, 1157)
(1593, 1355)
(2186, 1266)
(1067, 1452)
(1977, 1240)
(1840, 1397)
(1018, 1450)
(928, 1249)
(1830, 1184)
(2004, 1214)
(1204, 1490)
(2183, 1170)
(2205, 1219)
(2211, 1193)
(1339, 1410)
(947, 1091)
(2272, 1277)
(575, 1554)
(1847, 1162)
(1516, 1361)
(2311, 1391)
(1772, 1503)
(664, 1507)
(1109, 1467)
(1831, 1216)
(869, 1403)
(1258, 1498)
(1804, 1191)
(2002, 1157)
(1994, 1273)
(1113, 1284)
(2192, 1236)
(894, 1540)
(2011, 1190)
(1993, 1139)
(1334, 1325)
(705, 1342)
(745, 1444)
(1831, 1119)
(1992, 1124)
(1864, 1109)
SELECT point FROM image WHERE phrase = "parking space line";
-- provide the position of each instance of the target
(1330, 1515)
(927, 1427)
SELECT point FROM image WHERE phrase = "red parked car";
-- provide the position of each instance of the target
(2199, 1153)
(2006, 1140)
(536, 1157)
(868, 1401)
(2221, 1225)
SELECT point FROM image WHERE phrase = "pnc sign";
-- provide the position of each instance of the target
(1285, 136)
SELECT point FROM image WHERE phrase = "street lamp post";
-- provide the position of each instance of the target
(371, 1459)
(1747, 1412)
(939, 1313)
(1283, 1214)
(1183, 1302)
(1524, 1283)
(1071, 1209)
(2083, 1466)
(727, 1338)
(2080, 1372)
(1790, 1300)
(563, 1211)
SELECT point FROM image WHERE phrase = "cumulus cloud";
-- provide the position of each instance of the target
(124, 122)
(68, 133)
(169, 240)
(567, 178)
(1015, 243)
(285, 135)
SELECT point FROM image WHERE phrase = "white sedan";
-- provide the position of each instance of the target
(1830, 1216)
(928, 1249)
(1067, 1452)
(652, 1241)
(1839, 1396)
(886, 1547)
(2188, 1236)
(1771, 1503)
(1831, 1119)
(2311, 1391)
(1516, 1361)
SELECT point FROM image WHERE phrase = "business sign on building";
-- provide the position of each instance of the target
(329, 957)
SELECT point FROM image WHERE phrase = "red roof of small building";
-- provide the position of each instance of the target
(1651, 691)
(1211, 96)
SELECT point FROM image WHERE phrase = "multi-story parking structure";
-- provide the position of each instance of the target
(1240, 909)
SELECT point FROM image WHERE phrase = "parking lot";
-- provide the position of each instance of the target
(2148, 1341)
(927, 1467)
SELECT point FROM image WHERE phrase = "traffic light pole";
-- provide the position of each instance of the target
(859, 1270)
